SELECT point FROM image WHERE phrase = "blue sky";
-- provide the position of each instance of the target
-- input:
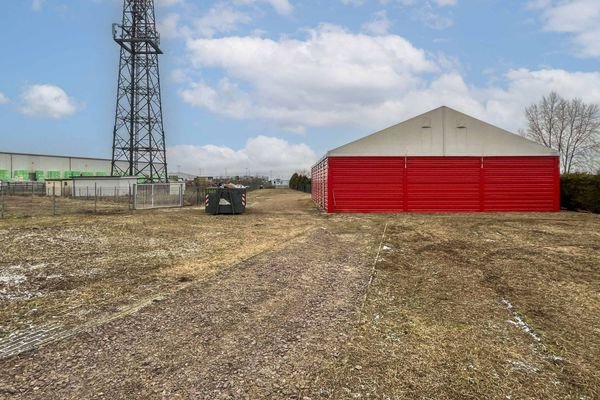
(271, 85)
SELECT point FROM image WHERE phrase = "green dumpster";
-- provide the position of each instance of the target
(225, 201)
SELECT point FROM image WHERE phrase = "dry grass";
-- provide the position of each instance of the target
(67, 269)
(445, 317)
(438, 324)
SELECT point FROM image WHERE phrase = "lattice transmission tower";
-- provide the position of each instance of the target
(139, 136)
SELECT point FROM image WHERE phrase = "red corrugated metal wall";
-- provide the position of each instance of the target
(521, 184)
(443, 184)
(437, 184)
(369, 185)
(319, 174)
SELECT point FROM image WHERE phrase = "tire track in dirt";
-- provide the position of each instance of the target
(32, 339)
(255, 330)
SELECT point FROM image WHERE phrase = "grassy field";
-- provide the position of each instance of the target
(67, 268)
(287, 302)
(480, 306)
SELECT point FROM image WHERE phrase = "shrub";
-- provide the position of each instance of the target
(580, 192)
(300, 182)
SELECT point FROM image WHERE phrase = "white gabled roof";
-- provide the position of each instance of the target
(443, 132)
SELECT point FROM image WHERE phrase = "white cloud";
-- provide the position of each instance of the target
(47, 101)
(315, 82)
(433, 19)
(283, 7)
(579, 18)
(168, 3)
(428, 11)
(37, 5)
(444, 3)
(3, 98)
(261, 155)
(378, 25)
(523, 87)
(354, 3)
(439, 3)
(334, 78)
(168, 26)
(179, 75)
(538, 4)
(220, 18)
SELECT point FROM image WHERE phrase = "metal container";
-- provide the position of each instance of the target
(225, 201)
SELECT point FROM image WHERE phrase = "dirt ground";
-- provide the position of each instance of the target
(287, 302)
(480, 306)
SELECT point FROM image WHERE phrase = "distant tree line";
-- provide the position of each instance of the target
(300, 182)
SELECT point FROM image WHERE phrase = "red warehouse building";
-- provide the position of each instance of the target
(441, 161)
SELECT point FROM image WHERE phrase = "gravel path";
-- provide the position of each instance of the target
(256, 330)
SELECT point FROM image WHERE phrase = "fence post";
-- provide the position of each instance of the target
(54, 199)
(95, 197)
(180, 195)
(2, 195)
(152, 194)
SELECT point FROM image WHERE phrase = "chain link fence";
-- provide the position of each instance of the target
(158, 195)
(37, 199)
(21, 202)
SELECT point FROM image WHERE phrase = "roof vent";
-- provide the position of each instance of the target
(426, 123)
(461, 123)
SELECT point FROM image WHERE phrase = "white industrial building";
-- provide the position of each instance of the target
(39, 167)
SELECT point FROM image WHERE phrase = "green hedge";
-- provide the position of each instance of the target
(580, 192)
(300, 182)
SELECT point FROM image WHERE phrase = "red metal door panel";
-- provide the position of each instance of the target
(366, 184)
(521, 184)
(441, 184)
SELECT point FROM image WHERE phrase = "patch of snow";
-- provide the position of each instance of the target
(518, 321)
(27, 266)
(520, 365)
(4, 295)
(12, 279)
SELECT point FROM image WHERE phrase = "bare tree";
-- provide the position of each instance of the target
(570, 127)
